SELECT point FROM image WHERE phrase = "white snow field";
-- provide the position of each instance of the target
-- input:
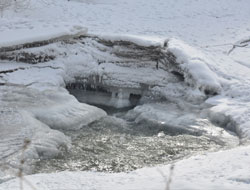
(110, 42)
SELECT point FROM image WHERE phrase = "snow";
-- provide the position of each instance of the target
(231, 114)
(194, 63)
(20, 31)
(200, 34)
(54, 108)
(67, 113)
(196, 22)
(145, 41)
(176, 119)
(16, 127)
(31, 104)
(222, 170)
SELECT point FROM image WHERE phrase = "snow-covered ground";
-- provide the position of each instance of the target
(34, 102)
(221, 170)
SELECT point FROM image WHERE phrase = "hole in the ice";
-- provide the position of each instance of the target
(120, 143)
(179, 75)
(134, 98)
(210, 92)
(100, 95)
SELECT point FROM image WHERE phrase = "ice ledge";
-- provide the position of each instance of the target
(195, 67)
(31, 114)
(175, 54)
(65, 112)
(146, 41)
(18, 127)
(231, 113)
(15, 38)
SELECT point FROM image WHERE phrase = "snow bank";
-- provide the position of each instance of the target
(175, 119)
(39, 77)
(192, 63)
(139, 40)
(54, 107)
(194, 66)
(36, 31)
(16, 127)
(232, 114)
(28, 113)
(63, 111)
(208, 171)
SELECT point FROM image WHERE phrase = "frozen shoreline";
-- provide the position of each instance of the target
(32, 88)
(209, 171)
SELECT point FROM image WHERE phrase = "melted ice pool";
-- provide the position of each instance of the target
(145, 136)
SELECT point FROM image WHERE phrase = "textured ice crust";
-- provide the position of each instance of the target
(55, 107)
(191, 62)
(63, 111)
(231, 114)
(22, 127)
(173, 119)
(29, 114)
